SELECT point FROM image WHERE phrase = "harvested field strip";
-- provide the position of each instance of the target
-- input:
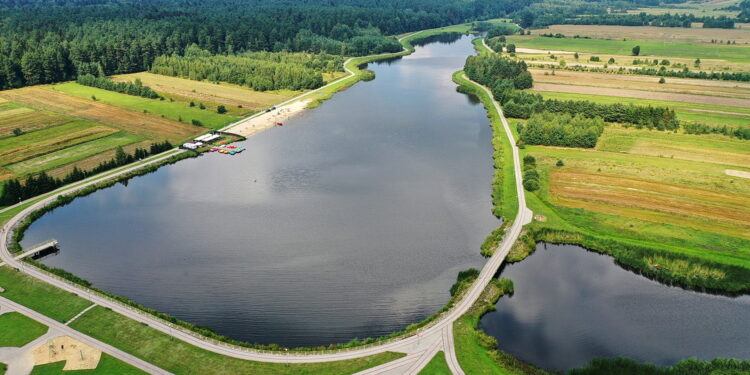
(142, 124)
(620, 47)
(88, 163)
(645, 83)
(657, 218)
(175, 111)
(223, 93)
(628, 93)
(652, 33)
(14, 111)
(30, 121)
(681, 200)
(27, 146)
(685, 111)
(665, 148)
(71, 154)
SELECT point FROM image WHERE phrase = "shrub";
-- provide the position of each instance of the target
(221, 109)
(559, 163)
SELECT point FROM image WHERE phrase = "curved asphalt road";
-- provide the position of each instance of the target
(424, 344)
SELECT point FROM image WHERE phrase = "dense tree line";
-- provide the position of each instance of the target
(701, 128)
(44, 41)
(564, 130)
(15, 191)
(260, 71)
(641, 19)
(721, 22)
(687, 73)
(131, 88)
(744, 8)
(498, 72)
(522, 104)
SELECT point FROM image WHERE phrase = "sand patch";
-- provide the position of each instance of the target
(267, 120)
(77, 355)
(737, 173)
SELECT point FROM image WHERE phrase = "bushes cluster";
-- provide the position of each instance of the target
(625, 366)
(261, 71)
(497, 72)
(131, 88)
(521, 104)
(15, 191)
(564, 130)
(530, 174)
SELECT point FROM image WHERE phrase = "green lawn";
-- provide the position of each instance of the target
(620, 47)
(181, 358)
(173, 111)
(108, 365)
(18, 330)
(40, 296)
(72, 154)
(437, 366)
(685, 111)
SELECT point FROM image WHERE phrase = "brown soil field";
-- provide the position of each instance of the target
(224, 93)
(29, 121)
(627, 93)
(639, 82)
(681, 200)
(664, 148)
(697, 35)
(92, 161)
(142, 124)
(28, 151)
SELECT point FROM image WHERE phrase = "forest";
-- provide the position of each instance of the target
(43, 41)
(498, 72)
(261, 71)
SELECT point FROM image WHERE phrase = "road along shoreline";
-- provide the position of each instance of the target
(401, 344)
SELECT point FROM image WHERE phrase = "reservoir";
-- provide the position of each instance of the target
(571, 305)
(350, 221)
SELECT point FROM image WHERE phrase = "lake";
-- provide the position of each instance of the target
(350, 221)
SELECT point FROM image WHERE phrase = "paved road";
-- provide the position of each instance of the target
(419, 347)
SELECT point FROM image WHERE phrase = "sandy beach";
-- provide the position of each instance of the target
(267, 120)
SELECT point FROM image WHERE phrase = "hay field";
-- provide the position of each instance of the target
(138, 123)
(666, 189)
(697, 8)
(733, 53)
(652, 33)
(643, 94)
(15, 116)
(179, 112)
(184, 90)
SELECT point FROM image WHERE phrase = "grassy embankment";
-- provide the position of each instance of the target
(108, 365)
(179, 357)
(18, 330)
(437, 366)
(732, 53)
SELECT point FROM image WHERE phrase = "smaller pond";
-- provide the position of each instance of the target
(571, 305)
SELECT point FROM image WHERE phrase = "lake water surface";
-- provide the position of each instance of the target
(351, 220)
(571, 305)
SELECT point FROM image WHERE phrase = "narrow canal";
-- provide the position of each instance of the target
(571, 305)
(350, 221)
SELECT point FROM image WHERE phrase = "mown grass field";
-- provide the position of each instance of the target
(170, 110)
(231, 96)
(17, 330)
(108, 365)
(650, 85)
(437, 366)
(705, 113)
(665, 191)
(691, 35)
(738, 53)
(181, 358)
(698, 8)
(40, 296)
